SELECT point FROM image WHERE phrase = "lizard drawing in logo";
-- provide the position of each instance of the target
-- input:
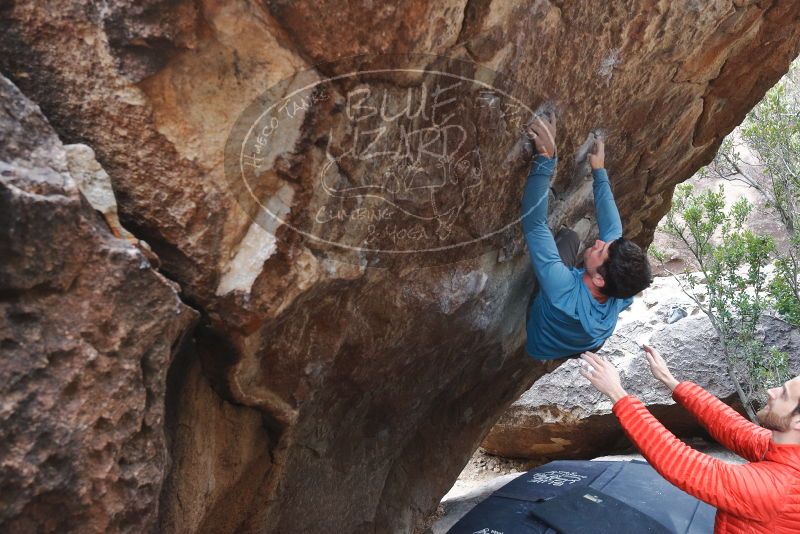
(428, 187)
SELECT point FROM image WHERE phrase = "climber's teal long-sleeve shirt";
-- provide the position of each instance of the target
(564, 318)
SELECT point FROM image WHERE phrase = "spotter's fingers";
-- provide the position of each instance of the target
(590, 362)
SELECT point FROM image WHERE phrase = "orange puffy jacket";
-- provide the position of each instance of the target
(761, 496)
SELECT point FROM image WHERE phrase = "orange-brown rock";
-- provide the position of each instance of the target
(324, 392)
(87, 332)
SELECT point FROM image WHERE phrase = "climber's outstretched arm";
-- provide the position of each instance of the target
(553, 276)
(606, 213)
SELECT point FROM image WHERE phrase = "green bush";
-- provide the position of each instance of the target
(771, 132)
(731, 287)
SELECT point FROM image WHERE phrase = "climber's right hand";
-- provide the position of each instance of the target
(597, 155)
(542, 131)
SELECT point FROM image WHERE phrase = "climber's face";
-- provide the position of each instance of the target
(595, 256)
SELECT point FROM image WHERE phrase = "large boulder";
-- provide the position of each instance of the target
(87, 333)
(323, 392)
(563, 416)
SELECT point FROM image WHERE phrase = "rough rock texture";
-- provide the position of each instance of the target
(87, 330)
(563, 416)
(330, 396)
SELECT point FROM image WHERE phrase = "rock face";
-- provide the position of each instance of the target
(87, 330)
(323, 392)
(563, 416)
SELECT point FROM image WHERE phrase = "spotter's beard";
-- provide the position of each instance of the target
(770, 421)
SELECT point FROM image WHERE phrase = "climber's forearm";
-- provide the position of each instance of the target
(608, 221)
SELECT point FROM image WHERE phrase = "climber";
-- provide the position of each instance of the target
(575, 309)
(761, 496)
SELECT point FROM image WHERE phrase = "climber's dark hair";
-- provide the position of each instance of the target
(626, 271)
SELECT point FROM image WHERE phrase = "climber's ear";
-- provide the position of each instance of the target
(598, 279)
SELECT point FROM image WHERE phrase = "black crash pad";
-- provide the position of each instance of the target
(577, 497)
